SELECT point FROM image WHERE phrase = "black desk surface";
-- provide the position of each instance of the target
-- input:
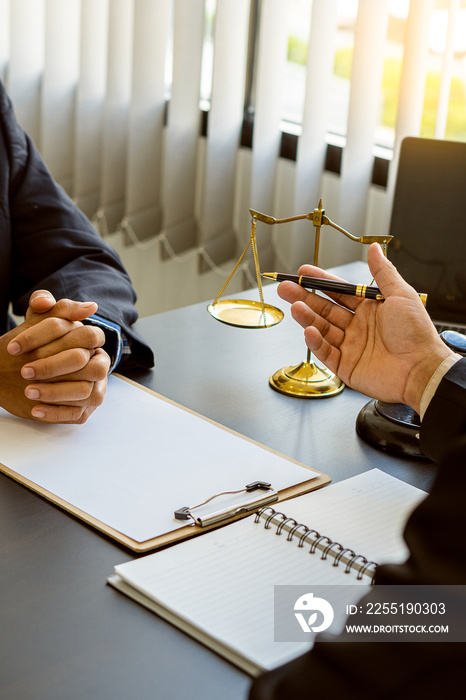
(64, 634)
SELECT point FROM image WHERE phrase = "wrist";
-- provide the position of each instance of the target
(435, 380)
(425, 377)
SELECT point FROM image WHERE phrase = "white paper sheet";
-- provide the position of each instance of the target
(137, 459)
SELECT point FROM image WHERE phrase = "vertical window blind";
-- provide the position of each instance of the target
(110, 90)
(312, 144)
(217, 230)
(413, 80)
(366, 78)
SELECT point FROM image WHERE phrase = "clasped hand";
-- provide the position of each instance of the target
(52, 367)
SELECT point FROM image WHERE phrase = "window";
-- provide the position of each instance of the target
(445, 87)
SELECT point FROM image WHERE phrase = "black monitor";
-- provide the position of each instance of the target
(429, 224)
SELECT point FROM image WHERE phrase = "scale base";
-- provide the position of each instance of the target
(391, 427)
(306, 380)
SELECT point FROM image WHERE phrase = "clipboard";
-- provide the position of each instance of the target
(46, 479)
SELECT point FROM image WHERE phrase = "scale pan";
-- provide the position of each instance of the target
(245, 313)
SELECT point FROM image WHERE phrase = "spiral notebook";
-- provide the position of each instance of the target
(220, 588)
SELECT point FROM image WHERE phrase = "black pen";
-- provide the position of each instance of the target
(326, 285)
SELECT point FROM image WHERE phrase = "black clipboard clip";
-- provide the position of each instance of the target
(257, 500)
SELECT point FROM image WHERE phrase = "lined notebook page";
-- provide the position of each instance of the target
(223, 581)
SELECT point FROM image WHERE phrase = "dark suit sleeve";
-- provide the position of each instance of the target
(445, 417)
(52, 244)
(436, 537)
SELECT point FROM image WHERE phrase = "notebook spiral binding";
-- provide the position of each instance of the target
(324, 544)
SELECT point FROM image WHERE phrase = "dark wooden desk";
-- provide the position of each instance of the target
(64, 634)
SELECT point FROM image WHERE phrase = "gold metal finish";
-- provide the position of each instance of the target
(318, 218)
(244, 313)
(256, 215)
(306, 380)
(367, 240)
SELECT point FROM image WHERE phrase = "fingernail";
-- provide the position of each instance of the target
(27, 373)
(86, 304)
(32, 393)
(37, 413)
(13, 348)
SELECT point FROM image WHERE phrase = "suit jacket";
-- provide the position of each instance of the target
(46, 242)
(436, 537)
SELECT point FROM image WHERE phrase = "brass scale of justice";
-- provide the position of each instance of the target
(307, 379)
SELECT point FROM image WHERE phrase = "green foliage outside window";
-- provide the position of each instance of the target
(456, 122)
(297, 50)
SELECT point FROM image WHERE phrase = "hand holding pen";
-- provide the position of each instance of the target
(385, 350)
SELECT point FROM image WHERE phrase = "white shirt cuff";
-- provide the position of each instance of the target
(435, 380)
